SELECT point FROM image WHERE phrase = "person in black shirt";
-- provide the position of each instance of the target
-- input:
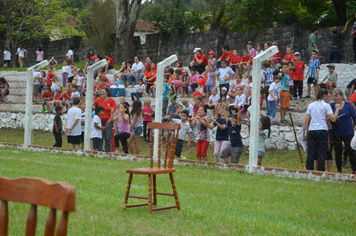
(57, 127)
(335, 39)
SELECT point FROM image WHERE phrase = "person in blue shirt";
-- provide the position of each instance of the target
(313, 73)
(284, 95)
(222, 135)
(166, 91)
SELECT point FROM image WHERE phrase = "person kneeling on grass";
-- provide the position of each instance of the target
(184, 130)
(96, 129)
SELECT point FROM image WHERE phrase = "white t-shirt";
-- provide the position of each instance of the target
(184, 128)
(74, 114)
(223, 100)
(274, 88)
(21, 52)
(138, 66)
(140, 87)
(94, 132)
(37, 74)
(258, 52)
(214, 98)
(76, 94)
(80, 80)
(69, 54)
(7, 55)
(65, 69)
(70, 74)
(189, 109)
(239, 100)
(249, 110)
(224, 72)
(319, 111)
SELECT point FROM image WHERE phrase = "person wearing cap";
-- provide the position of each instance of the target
(335, 39)
(275, 59)
(313, 73)
(331, 78)
(289, 56)
(250, 49)
(313, 42)
(227, 54)
(199, 61)
(299, 67)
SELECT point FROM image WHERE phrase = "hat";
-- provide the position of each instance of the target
(58, 89)
(224, 88)
(315, 50)
(211, 53)
(297, 53)
(197, 49)
(249, 42)
(172, 97)
(196, 93)
(185, 71)
(331, 65)
(274, 43)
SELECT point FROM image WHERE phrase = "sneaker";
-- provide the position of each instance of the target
(186, 95)
(182, 157)
(42, 110)
(339, 172)
(306, 96)
(300, 97)
(295, 98)
(344, 163)
(46, 111)
(283, 120)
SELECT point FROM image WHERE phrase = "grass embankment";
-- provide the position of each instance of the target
(273, 157)
(213, 202)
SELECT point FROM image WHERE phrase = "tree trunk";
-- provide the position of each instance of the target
(127, 15)
(340, 9)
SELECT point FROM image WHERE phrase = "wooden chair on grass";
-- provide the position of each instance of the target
(153, 171)
(34, 191)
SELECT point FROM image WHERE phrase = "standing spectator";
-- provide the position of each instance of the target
(227, 55)
(316, 116)
(335, 38)
(267, 78)
(39, 54)
(313, 73)
(199, 61)
(136, 71)
(343, 128)
(57, 127)
(313, 40)
(166, 93)
(272, 97)
(123, 123)
(110, 106)
(4, 88)
(22, 53)
(284, 94)
(72, 125)
(212, 59)
(299, 67)
(70, 54)
(224, 75)
(7, 57)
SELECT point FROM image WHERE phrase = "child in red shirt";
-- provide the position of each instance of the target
(289, 56)
(235, 60)
(47, 96)
(198, 103)
(299, 67)
(246, 63)
(101, 75)
(57, 99)
(51, 77)
(100, 86)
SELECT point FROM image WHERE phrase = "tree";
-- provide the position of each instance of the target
(340, 9)
(127, 12)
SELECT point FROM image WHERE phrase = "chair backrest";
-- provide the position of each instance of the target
(168, 153)
(34, 191)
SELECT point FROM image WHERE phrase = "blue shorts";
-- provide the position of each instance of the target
(179, 147)
(137, 130)
(260, 153)
(209, 87)
(6, 93)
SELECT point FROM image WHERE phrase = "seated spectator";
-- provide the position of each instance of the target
(136, 71)
(123, 74)
(47, 97)
(110, 62)
(194, 79)
(150, 77)
(246, 63)
(227, 55)
(101, 75)
(331, 78)
(199, 61)
(250, 49)
(140, 90)
(235, 61)
(350, 88)
(275, 59)
(4, 88)
(258, 49)
(149, 61)
(289, 56)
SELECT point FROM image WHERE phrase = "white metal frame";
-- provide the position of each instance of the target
(159, 94)
(255, 114)
(29, 96)
(89, 101)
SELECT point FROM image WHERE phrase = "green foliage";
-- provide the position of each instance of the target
(167, 16)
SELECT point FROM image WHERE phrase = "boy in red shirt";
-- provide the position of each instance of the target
(227, 55)
(51, 77)
(299, 67)
(289, 56)
(235, 60)
(110, 64)
(246, 63)
(57, 99)
(101, 75)
(100, 86)
(47, 97)
(290, 73)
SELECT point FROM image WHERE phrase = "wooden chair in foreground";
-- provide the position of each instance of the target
(153, 171)
(34, 191)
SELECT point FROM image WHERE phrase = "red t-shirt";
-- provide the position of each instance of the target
(291, 74)
(298, 71)
(246, 59)
(106, 78)
(66, 97)
(235, 60)
(148, 65)
(203, 58)
(278, 54)
(195, 107)
(47, 95)
(108, 104)
(111, 62)
(289, 57)
(150, 74)
(353, 98)
(101, 86)
(50, 75)
(226, 56)
(58, 96)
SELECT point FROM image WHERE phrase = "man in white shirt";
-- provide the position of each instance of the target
(22, 53)
(136, 71)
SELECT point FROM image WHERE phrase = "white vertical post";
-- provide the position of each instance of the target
(89, 101)
(159, 95)
(255, 99)
(29, 94)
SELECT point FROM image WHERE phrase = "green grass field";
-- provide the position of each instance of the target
(273, 157)
(213, 202)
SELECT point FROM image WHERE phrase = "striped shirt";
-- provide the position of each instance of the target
(313, 66)
(268, 76)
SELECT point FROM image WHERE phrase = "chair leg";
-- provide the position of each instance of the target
(149, 195)
(127, 192)
(154, 191)
(175, 191)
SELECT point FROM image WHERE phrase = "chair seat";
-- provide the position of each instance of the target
(150, 171)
